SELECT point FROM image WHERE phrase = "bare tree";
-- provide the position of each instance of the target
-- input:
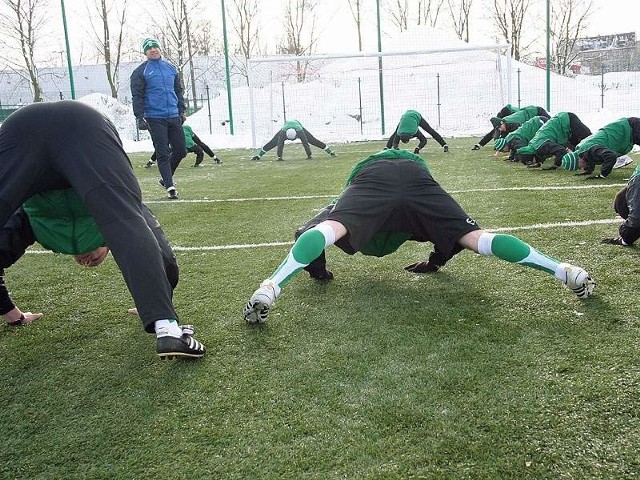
(428, 11)
(356, 12)
(21, 24)
(244, 19)
(460, 11)
(509, 17)
(177, 31)
(110, 46)
(568, 20)
(245, 23)
(398, 11)
(173, 31)
(300, 31)
(202, 40)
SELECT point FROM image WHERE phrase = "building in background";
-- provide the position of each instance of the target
(608, 53)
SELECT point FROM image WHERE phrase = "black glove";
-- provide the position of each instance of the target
(416, 151)
(476, 147)
(422, 267)
(445, 148)
(615, 241)
(142, 124)
(322, 276)
(595, 177)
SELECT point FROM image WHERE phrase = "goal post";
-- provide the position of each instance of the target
(360, 96)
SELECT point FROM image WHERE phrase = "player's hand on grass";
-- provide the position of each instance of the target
(422, 267)
(595, 177)
(615, 241)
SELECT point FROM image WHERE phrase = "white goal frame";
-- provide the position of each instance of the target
(499, 49)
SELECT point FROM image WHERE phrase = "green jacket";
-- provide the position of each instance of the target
(527, 130)
(384, 243)
(521, 115)
(295, 124)
(556, 129)
(188, 136)
(61, 222)
(616, 136)
(409, 123)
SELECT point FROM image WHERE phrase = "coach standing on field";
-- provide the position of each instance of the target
(158, 105)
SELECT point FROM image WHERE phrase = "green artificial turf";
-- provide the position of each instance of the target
(486, 370)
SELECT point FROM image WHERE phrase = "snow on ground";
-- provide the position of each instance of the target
(469, 94)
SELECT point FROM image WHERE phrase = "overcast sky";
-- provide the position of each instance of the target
(336, 28)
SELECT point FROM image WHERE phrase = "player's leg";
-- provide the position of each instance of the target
(197, 149)
(302, 135)
(159, 136)
(306, 249)
(282, 136)
(317, 268)
(268, 146)
(177, 141)
(578, 130)
(514, 250)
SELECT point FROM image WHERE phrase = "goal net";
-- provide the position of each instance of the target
(353, 97)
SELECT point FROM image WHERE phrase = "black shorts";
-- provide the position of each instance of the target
(399, 196)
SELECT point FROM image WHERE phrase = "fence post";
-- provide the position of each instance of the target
(360, 101)
(518, 87)
(438, 93)
(206, 87)
(602, 86)
(284, 106)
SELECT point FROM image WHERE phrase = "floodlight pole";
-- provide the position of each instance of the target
(226, 64)
(380, 76)
(66, 39)
(548, 66)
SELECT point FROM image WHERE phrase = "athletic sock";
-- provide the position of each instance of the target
(307, 248)
(514, 250)
(167, 328)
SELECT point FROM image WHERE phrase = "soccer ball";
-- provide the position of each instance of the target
(291, 134)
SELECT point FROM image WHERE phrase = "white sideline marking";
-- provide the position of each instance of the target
(536, 226)
(311, 197)
(243, 246)
(542, 226)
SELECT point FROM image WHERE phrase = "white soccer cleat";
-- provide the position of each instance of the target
(578, 280)
(257, 308)
(622, 161)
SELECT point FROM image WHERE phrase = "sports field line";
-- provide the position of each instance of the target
(243, 246)
(311, 197)
(495, 230)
